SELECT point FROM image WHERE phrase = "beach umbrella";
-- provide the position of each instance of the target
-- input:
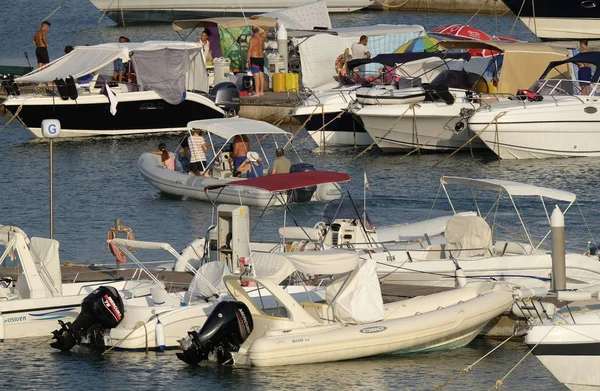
(419, 45)
(462, 31)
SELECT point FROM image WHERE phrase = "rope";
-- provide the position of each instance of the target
(43, 342)
(385, 5)
(16, 115)
(495, 119)
(470, 367)
(135, 327)
(322, 128)
(516, 18)
(56, 10)
(476, 12)
(411, 106)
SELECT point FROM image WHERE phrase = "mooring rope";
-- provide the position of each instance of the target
(15, 115)
(386, 5)
(470, 367)
(135, 327)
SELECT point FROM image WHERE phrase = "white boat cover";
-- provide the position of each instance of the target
(47, 261)
(271, 265)
(468, 236)
(303, 17)
(299, 233)
(357, 299)
(212, 277)
(512, 188)
(142, 244)
(230, 127)
(192, 254)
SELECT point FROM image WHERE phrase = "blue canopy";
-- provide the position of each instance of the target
(585, 57)
(401, 58)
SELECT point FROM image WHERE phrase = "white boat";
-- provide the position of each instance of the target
(220, 171)
(158, 321)
(324, 113)
(567, 343)
(90, 104)
(131, 11)
(559, 118)
(438, 124)
(352, 323)
(31, 305)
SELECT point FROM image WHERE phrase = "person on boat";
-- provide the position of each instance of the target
(41, 45)
(252, 166)
(584, 73)
(359, 50)
(165, 157)
(198, 148)
(118, 65)
(256, 58)
(183, 155)
(240, 148)
(205, 44)
(281, 164)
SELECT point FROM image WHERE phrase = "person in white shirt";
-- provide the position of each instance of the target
(205, 43)
(198, 148)
(359, 50)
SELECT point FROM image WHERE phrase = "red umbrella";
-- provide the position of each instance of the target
(459, 30)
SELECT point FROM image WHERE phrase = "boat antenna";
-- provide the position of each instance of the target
(243, 13)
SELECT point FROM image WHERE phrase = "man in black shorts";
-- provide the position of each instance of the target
(256, 58)
(41, 45)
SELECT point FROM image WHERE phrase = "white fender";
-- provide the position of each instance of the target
(159, 331)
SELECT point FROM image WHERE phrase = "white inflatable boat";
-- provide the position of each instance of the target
(352, 323)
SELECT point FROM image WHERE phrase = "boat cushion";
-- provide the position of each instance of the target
(468, 236)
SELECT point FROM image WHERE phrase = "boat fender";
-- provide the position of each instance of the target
(61, 86)
(71, 87)
(159, 331)
(2, 331)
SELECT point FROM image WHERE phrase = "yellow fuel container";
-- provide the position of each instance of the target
(279, 82)
(292, 82)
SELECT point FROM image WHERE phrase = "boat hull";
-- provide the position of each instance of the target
(559, 19)
(137, 113)
(536, 130)
(433, 128)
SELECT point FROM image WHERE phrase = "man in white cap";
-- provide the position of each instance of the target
(252, 166)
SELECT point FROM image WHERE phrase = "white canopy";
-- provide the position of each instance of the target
(85, 60)
(303, 17)
(142, 244)
(512, 188)
(230, 127)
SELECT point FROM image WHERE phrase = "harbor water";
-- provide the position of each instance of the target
(96, 181)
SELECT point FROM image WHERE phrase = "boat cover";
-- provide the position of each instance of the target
(303, 17)
(512, 188)
(282, 182)
(468, 236)
(47, 261)
(212, 274)
(357, 299)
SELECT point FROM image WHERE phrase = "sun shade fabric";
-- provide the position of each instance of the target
(303, 17)
(228, 127)
(140, 244)
(163, 71)
(46, 257)
(308, 262)
(512, 188)
(273, 266)
(80, 62)
(283, 182)
(393, 59)
(583, 58)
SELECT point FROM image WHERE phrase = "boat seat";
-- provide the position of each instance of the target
(512, 248)
(5, 293)
(320, 311)
(219, 173)
(431, 252)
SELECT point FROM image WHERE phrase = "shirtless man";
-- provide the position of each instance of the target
(256, 58)
(41, 45)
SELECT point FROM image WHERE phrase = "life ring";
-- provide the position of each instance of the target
(113, 233)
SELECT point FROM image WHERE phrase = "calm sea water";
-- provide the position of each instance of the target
(96, 181)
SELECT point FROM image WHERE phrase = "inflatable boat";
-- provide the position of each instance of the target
(352, 323)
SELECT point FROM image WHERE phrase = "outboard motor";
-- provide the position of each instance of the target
(226, 95)
(103, 307)
(303, 194)
(227, 327)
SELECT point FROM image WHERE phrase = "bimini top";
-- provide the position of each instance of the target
(85, 60)
(586, 57)
(282, 182)
(393, 59)
(225, 22)
(512, 188)
(229, 127)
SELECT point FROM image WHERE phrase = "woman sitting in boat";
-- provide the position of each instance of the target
(252, 166)
(165, 157)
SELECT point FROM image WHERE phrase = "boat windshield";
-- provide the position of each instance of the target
(565, 87)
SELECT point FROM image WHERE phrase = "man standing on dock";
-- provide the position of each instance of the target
(256, 58)
(41, 45)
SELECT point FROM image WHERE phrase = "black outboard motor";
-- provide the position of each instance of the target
(103, 307)
(226, 95)
(303, 194)
(227, 327)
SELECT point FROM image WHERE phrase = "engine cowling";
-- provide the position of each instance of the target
(227, 327)
(103, 307)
